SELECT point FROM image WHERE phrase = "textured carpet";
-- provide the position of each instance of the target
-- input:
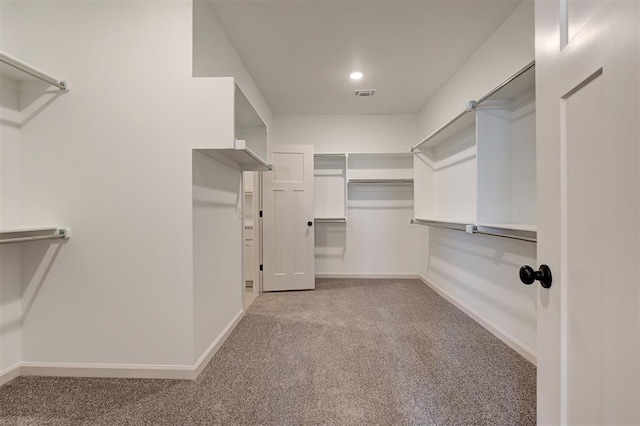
(352, 352)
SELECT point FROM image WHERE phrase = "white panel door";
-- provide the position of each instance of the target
(288, 244)
(587, 95)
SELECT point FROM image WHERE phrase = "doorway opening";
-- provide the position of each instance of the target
(252, 278)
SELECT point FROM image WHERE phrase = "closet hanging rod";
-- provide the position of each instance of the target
(483, 230)
(511, 237)
(331, 220)
(440, 224)
(60, 233)
(398, 181)
(504, 83)
(514, 234)
(28, 69)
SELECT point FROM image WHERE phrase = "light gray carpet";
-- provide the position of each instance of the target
(352, 352)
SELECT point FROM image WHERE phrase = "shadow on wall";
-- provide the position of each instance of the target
(207, 191)
(38, 258)
(380, 196)
(32, 98)
(10, 290)
(482, 267)
(500, 251)
(330, 240)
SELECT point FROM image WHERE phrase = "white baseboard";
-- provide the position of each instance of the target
(137, 371)
(374, 276)
(9, 374)
(202, 362)
(512, 342)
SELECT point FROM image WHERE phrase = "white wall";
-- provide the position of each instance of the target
(10, 286)
(111, 159)
(217, 248)
(217, 194)
(377, 238)
(480, 272)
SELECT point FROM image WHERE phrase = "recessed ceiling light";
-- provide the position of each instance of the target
(356, 75)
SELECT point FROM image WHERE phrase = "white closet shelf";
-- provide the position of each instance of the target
(521, 82)
(466, 118)
(240, 157)
(440, 223)
(32, 233)
(16, 69)
(330, 219)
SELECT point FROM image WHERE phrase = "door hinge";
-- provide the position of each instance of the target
(261, 266)
(260, 213)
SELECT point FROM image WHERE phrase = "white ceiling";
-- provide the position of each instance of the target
(300, 52)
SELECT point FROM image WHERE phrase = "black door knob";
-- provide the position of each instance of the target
(309, 223)
(528, 275)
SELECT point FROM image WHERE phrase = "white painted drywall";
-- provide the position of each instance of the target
(111, 159)
(10, 287)
(377, 239)
(217, 248)
(481, 272)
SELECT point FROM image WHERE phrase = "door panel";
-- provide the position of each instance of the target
(587, 95)
(288, 254)
(578, 15)
(582, 141)
(279, 235)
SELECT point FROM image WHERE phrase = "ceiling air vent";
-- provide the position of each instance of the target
(365, 93)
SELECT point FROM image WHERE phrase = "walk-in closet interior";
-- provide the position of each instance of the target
(199, 191)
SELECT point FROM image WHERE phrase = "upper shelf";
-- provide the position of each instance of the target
(465, 119)
(16, 69)
(226, 126)
(521, 82)
(241, 154)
